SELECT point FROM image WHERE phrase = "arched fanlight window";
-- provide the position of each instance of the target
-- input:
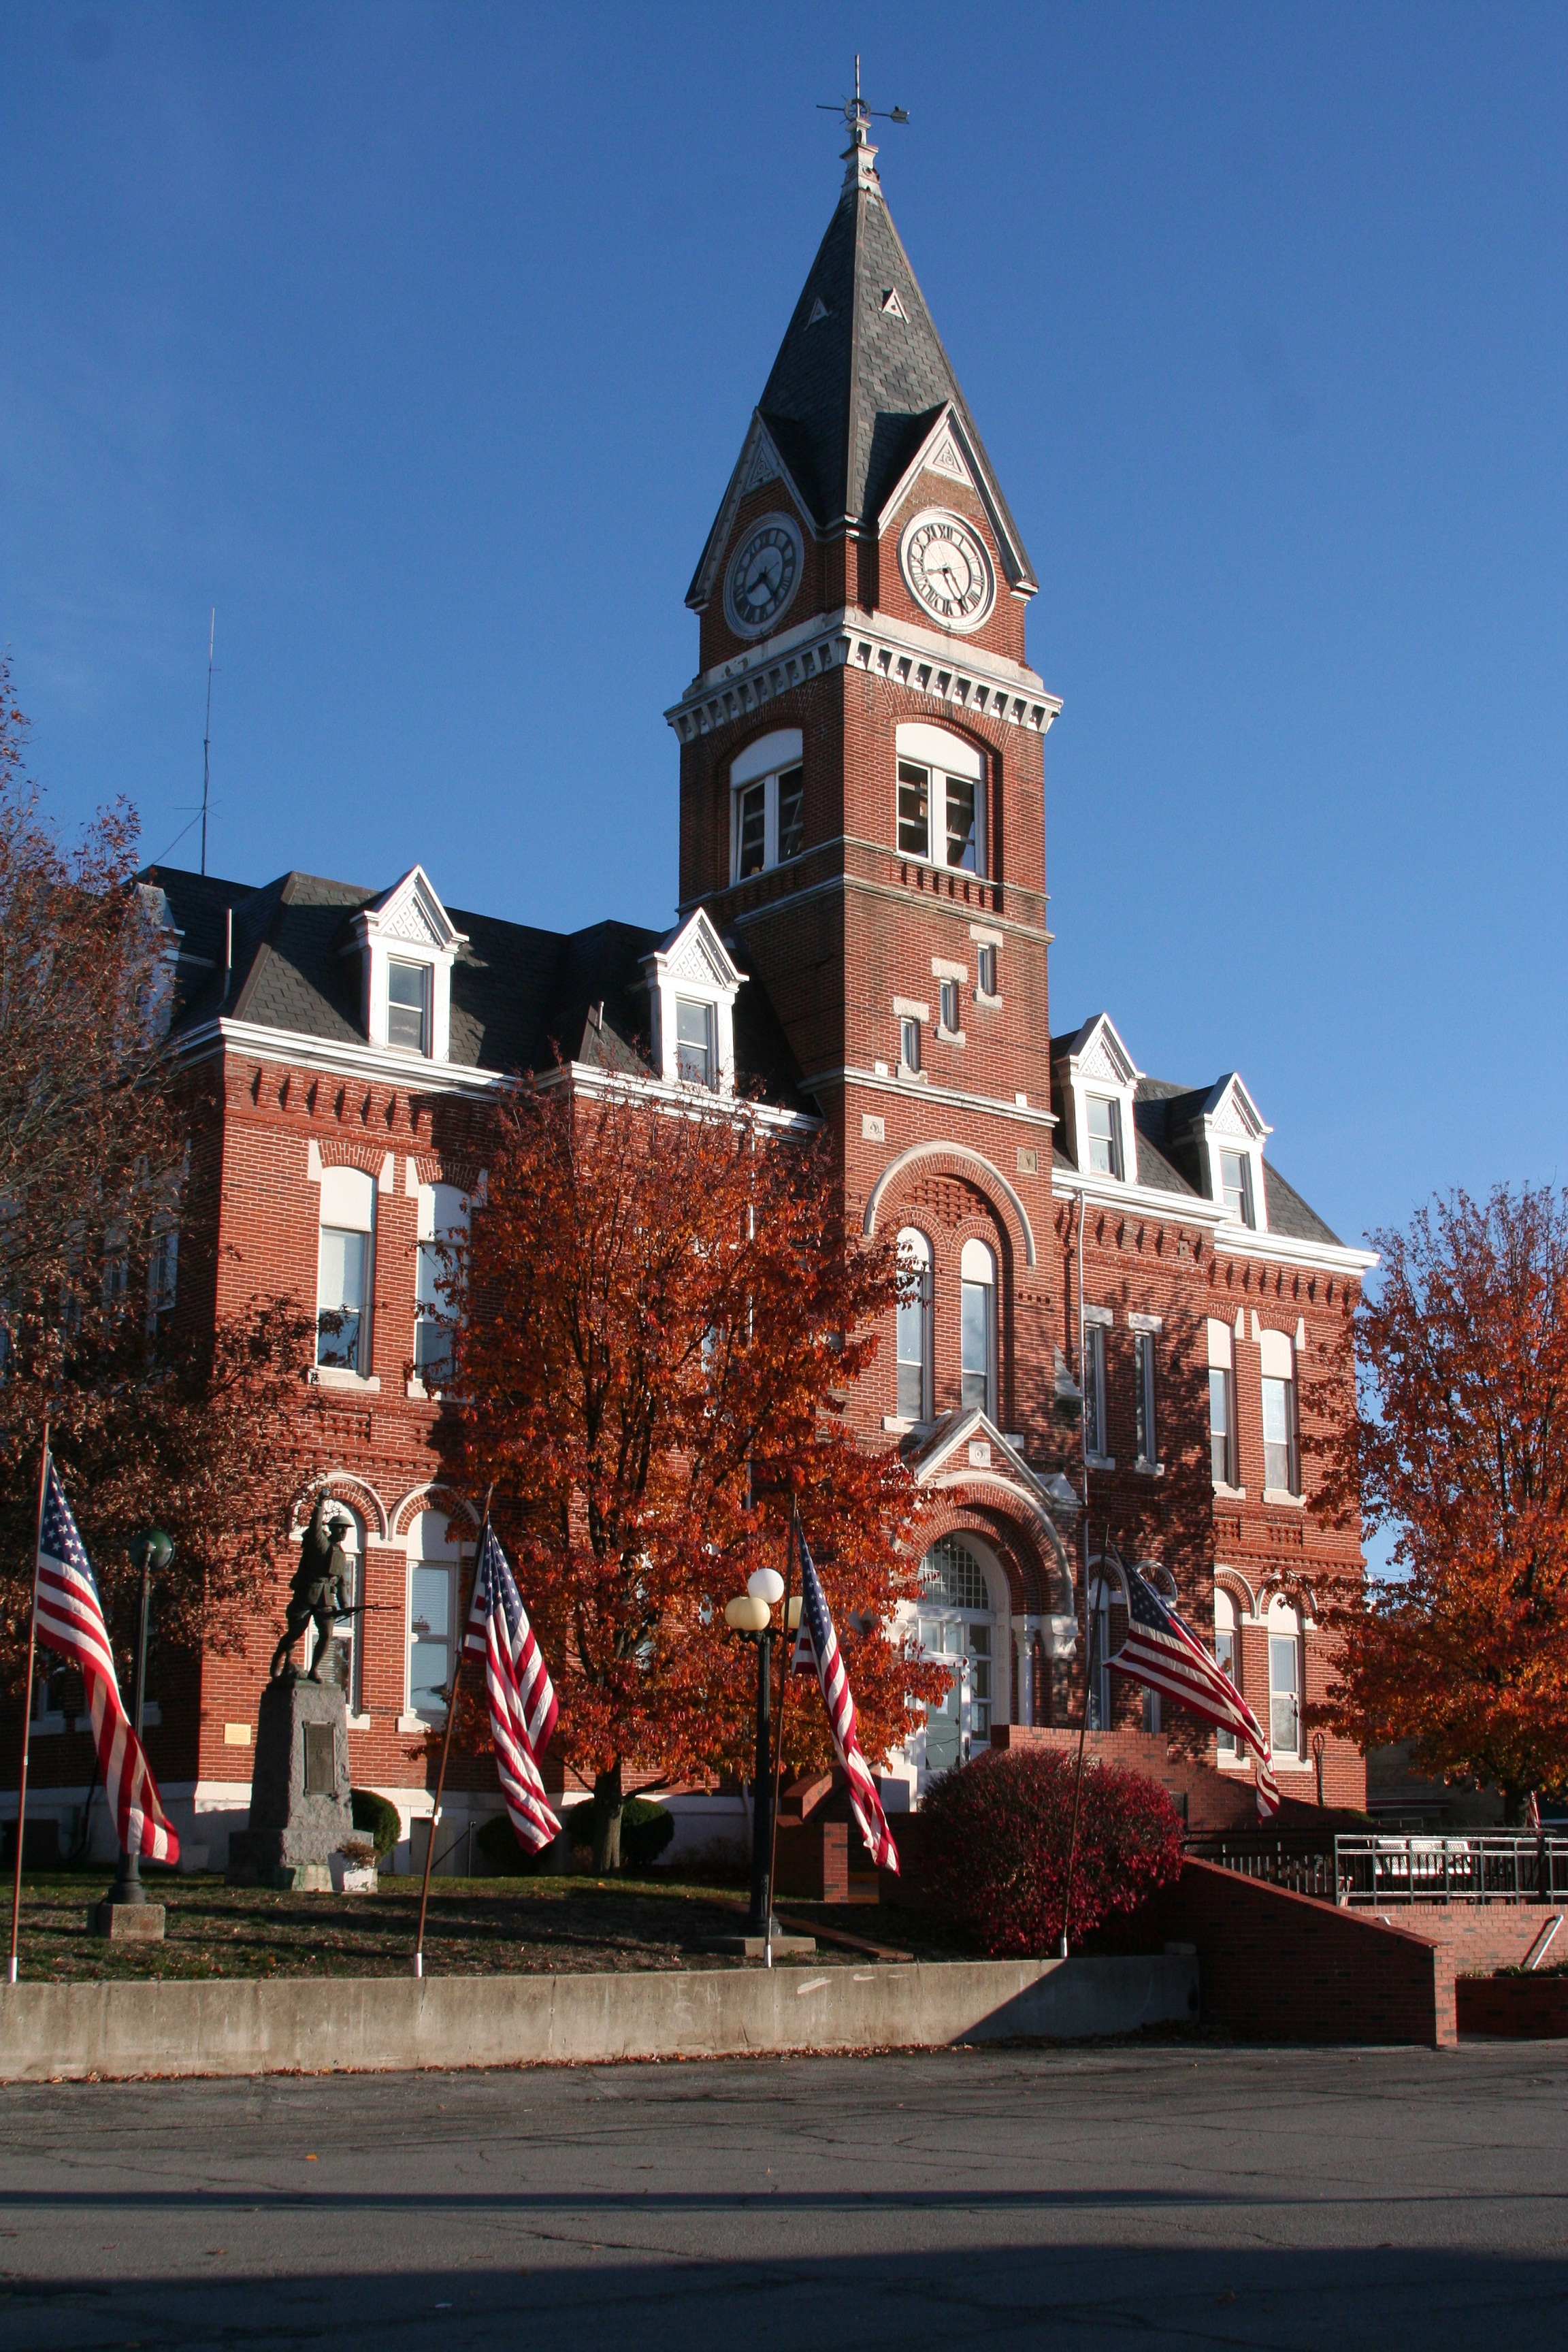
(914, 1326)
(977, 1299)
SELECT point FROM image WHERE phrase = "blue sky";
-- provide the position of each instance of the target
(420, 340)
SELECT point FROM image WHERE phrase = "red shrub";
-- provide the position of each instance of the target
(999, 1839)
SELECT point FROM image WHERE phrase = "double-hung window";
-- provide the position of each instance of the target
(1144, 1376)
(694, 1054)
(986, 971)
(940, 798)
(1227, 1657)
(767, 786)
(443, 1230)
(1096, 1437)
(1222, 1404)
(433, 1606)
(913, 1350)
(162, 1275)
(1104, 1136)
(1283, 1680)
(344, 1263)
(1236, 1183)
(1281, 1466)
(948, 1013)
(908, 1042)
(408, 1005)
(977, 1318)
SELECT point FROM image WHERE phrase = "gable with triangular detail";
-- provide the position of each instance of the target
(759, 463)
(692, 967)
(408, 925)
(950, 451)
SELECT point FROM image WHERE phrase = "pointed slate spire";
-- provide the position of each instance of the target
(861, 372)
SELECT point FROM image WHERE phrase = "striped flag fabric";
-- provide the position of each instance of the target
(521, 1696)
(817, 1644)
(1166, 1656)
(70, 1620)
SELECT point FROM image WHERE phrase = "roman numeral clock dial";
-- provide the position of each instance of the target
(763, 574)
(947, 570)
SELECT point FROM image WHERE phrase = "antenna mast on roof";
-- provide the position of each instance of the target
(207, 735)
(857, 114)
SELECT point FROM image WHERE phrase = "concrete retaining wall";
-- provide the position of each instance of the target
(233, 2026)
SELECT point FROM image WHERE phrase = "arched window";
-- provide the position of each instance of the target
(1106, 1591)
(956, 1630)
(977, 1300)
(443, 1228)
(1228, 1655)
(433, 1603)
(942, 798)
(1284, 1680)
(767, 802)
(914, 1326)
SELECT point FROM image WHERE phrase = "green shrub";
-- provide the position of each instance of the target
(378, 1816)
(645, 1830)
(999, 1837)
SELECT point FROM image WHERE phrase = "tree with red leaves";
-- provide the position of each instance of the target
(1460, 1450)
(153, 1420)
(662, 1317)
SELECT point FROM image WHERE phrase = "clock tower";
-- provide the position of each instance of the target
(862, 816)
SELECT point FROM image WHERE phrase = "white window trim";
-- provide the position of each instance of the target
(764, 763)
(1101, 1320)
(944, 754)
(1233, 1123)
(1104, 1068)
(693, 963)
(408, 925)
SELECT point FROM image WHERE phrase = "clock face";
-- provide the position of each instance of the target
(947, 569)
(763, 574)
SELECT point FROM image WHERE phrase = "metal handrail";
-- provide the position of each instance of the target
(1372, 1869)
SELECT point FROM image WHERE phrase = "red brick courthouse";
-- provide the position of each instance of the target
(1115, 1285)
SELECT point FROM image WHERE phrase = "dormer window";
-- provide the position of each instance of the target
(692, 983)
(1104, 1136)
(407, 1006)
(767, 786)
(693, 1043)
(1236, 1179)
(407, 944)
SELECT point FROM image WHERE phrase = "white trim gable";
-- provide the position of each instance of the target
(1101, 1066)
(693, 963)
(758, 462)
(410, 923)
(1230, 1120)
(950, 453)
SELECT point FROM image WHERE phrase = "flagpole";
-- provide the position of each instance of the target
(447, 1735)
(28, 1711)
(1082, 1734)
(778, 1747)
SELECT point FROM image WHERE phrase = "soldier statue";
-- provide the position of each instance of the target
(320, 1591)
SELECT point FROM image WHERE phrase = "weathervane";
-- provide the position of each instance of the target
(857, 114)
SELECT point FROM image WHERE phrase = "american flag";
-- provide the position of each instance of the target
(521, 1696)
(70, 1620)
(817, 1644)
(1165, 1655)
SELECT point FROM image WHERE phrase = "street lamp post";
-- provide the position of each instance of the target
(153, 1552)
(750, 1614)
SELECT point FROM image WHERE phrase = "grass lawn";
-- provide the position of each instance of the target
(476, 1927)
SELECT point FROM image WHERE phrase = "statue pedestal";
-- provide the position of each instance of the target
(299, 1806)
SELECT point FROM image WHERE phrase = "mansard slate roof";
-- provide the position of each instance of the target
(852, 394)
(1162, 1117)
(519, 994)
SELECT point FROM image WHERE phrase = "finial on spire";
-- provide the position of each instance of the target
(860, 156)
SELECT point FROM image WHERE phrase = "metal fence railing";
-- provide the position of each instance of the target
(1371, 1870)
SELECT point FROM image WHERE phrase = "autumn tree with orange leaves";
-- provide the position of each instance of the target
(1460, 1451)
(663, 1316)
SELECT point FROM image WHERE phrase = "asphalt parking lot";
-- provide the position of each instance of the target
(1176, 2195)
